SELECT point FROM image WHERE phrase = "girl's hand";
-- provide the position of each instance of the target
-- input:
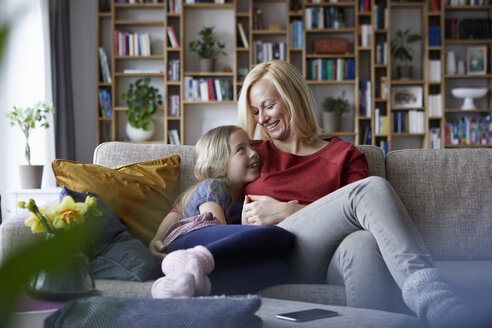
(265, 210)
(157, 249)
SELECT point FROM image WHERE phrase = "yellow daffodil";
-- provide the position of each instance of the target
(63, 216)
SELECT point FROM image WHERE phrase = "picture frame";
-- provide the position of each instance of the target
(476, 60)
(406, 96)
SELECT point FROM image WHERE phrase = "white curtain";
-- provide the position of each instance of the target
(25, 79)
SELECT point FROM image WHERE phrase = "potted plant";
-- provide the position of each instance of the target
(333, 108)
(28, 119)
(207, 48)
(401, 51)
(142, 100)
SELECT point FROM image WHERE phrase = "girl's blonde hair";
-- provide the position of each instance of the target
(211, 156)
(294, 92)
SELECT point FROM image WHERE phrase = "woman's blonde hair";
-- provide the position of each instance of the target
(294, 92)
(211, 156)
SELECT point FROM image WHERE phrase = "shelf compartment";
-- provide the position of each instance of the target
(139, 57)
(137, 22)
(330, 82)
(208, 6)
(331, 30)
(225, 74)
(468, 76)
(406, 82)
(269, 32)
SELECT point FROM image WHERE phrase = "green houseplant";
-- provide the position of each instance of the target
(333, 108)
(208, 48)
(401, 50)
(28, 119)
(142, 100)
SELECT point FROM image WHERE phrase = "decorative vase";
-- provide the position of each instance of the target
(404, 72)
(330, 121)
(207, 65)
(450, 63)
(139, 135)
(31, 176)
(69, 280)
(461, 67)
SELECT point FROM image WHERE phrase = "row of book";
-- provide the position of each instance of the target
(468, 28)
(331, 69)
(173, 70)
(207, 89)
(408, 121)
(174, 6)
(131, 44)
(296, 34)
(366, 138)
(468, 2)
(382, 52)
(434, 70)
(365, 35)
(383, 144)
(365, 104)
(105, 107)
(435, 139)
(173, 39)
(469, 131)
(380, 17)
(138, 1)
(434, 6)
(173, 136)
(266, 51)
(173, 106)
(105, 71)
(364, 6)
(434, 36)
(258, 19)
(435, 105)
(381, 122)
(324, 17)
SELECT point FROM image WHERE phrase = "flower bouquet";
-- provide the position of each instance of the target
(72, 278)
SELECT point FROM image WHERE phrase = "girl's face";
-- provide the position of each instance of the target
(243, 164)
(269, 110)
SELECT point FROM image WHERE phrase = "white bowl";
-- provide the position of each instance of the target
(468, 94)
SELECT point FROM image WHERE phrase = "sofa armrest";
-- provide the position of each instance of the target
(14, 234)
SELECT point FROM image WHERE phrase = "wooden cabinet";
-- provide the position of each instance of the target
(381, 113)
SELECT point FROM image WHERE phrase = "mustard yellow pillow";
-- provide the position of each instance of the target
(141, 194)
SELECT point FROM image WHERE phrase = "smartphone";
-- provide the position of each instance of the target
(307, 315)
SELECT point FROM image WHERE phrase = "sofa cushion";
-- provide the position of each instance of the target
(140, 193)
(448, 195)
(110, 154)
(375, 160)
(112, 251)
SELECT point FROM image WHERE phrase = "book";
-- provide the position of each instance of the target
(173, 137)
(172, 37)
(244, 39)
(104, 65)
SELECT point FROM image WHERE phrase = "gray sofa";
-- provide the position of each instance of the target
(448, 193)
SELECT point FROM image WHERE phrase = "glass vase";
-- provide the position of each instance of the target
(71, 279)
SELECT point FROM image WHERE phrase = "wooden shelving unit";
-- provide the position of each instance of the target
(372, 62)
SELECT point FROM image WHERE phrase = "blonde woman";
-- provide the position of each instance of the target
(211, 237)
(335, 198)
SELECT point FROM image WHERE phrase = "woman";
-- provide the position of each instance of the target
(319, 190)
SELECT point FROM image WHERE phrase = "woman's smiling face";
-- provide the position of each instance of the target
(269, 110)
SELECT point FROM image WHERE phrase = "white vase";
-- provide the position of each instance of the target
(31, 176)
(139, 135)
(451, 63)
(461, 67)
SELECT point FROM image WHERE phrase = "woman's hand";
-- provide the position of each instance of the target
(265, 210)
(157, 249)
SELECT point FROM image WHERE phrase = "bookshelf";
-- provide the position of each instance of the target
(287, 29)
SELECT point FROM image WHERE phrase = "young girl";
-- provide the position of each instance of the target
(211, 237)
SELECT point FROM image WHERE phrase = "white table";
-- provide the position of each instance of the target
(40, 196)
